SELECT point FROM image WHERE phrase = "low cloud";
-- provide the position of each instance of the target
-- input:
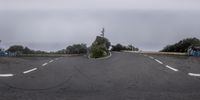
(52, 30)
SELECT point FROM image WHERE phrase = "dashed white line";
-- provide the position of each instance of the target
(44, 64)
(6, 75)
(151, 57)
(28, 71)
(174, 69)
(56, 58)
(194, 74)
(158, 61)
(51, 61)
(145, 55)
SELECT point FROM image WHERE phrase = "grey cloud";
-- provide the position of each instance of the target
(52, 30)
(99, 4)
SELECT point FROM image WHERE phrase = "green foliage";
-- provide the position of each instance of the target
(23, 50)
(100, 47)
(119, 47)
(16, 48)
(63, 51)
(27, 51)
(77, 49)
(40, 52)
(102, 41)
(181, 46)
(97, 52)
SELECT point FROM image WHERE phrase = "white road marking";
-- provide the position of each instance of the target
(158, 61)
(51, 61)
(57, 58)
(28, 71)
(151, 57)
(6, 75)
(44, 64)
(193, 74)
(174, 69)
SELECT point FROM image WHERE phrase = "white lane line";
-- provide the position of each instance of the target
(151, 57)
(158, 61)
(6, 75)
(56, 58)
(51, 61)
(44, 64)
(193, 74)
(174, 69)
(28, 71)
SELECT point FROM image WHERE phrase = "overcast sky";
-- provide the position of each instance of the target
(55, 24)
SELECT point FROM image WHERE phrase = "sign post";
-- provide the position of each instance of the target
(102, 32)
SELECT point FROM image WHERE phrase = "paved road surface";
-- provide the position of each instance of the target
(124, 76)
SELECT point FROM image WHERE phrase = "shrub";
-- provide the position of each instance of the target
(77, 49)
(100, 47)
(18, 49)
(119, 47)
(181, 46)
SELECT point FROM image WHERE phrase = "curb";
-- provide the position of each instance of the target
(110, 54)
(159, 53)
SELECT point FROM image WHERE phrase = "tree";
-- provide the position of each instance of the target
(100, 47)
(63, 51)
(23, 50)
(26, 50)
(77, 49)
(40, 52)
(119, 47)
(16, 48)
(182, 45)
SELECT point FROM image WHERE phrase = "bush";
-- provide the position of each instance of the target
(119, 47)
(181, 46)
(97, 52)
(100, 47)
(63, 51)
(18, 49)
(77, 49)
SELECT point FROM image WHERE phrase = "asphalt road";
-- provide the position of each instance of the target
(124, 76)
